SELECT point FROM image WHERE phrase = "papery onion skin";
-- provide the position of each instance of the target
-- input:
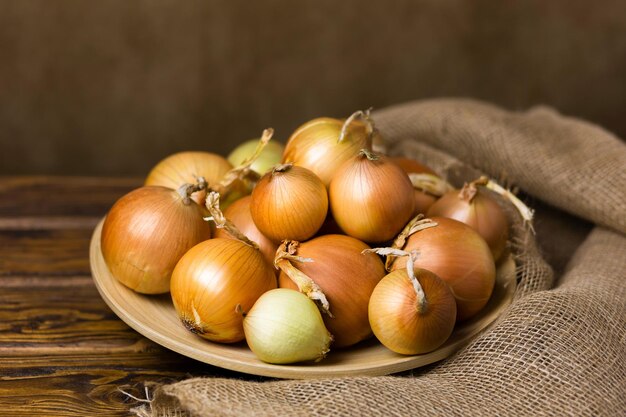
(183, 168)
(458, 255)
(371, 200)
(397, 321)
(285, 326)
(482, 213)
(411, 166)
(211, 280)
(314, 145)
(146, 232)
(239, 214)
(347, 277)
(269, 157)
(423, 200)
(290, 204)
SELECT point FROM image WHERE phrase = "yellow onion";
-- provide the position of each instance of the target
(411, 311)
(332, 270)
(147, 231)
(427, 186)
(474, 206)
(323, 144)
(290, 202)
(239, 214)
(285, 326)
(454, 252)
(411, 166)
(241, 180)
(185, 167)
(231, 183)
(216, 279)
(371, 198)
(269, 157)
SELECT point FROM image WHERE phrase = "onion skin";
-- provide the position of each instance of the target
(400, 324)
(284, 326)
(423, 200)
(411, 166)
(314, 145)
(269, 157)
(183, 168)
(289, 204)
(458, 255)
(146, 232)
(347, 277)
(371, 200)
(211, 279)
(482, 213)
(239, 214)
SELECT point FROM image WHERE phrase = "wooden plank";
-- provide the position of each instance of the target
(76, 392)
(44, 253)
(61, 196)
(53, 317)
(48, 223)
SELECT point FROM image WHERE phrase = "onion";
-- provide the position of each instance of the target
(147, 231)
(285, 326)
(290, 202)
(323, 144)
(269, 157)
(231, 183)
(371, 198)
(218, 278)
(185, 167)
(239, 214)
(332, 270)
(427, 185)
(410, 166)
(473, 206)
(240, 180)
(411, 311)
(454, 252)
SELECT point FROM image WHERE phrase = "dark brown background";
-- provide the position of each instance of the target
(110, 87)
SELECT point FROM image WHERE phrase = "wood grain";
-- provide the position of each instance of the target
(63, 352)
(61, 196)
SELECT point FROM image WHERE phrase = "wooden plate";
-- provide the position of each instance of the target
(155, 318)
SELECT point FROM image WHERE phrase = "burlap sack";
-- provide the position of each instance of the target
(558, 349)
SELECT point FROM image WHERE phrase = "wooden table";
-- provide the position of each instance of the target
(62, 351)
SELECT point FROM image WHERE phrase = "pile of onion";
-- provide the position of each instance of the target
(305, 229)
(217, 279)
(454, 252)
(230, 182)
(322, 145)
(411, 311)
(333, 270)
(474, 206)
(239, 214)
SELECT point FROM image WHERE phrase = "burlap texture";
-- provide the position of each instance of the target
(557, 350)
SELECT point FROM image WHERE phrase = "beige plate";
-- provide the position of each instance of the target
(155, 318)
